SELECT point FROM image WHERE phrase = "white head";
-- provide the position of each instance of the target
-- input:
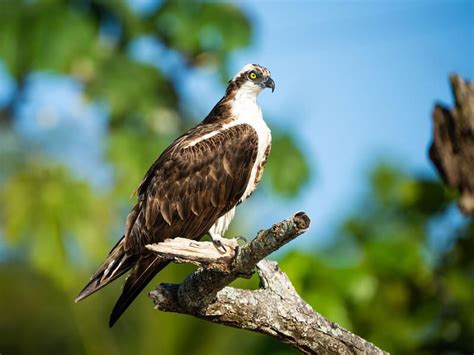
(251, 79)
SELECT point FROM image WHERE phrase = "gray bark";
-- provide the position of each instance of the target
(452, 150)
(274, 308)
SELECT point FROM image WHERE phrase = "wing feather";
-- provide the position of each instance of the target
(192, 185)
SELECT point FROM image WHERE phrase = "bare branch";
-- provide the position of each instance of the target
(452, 150)
(274, 309)
(204, 254)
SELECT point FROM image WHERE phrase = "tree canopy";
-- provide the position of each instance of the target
(396, 273)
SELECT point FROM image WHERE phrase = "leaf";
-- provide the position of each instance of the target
(287, 170)
(195, 28)
(132, 90)
(54, 217)
(53, 42)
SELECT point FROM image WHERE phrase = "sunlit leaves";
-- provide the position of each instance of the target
(31, 41)
(196, 28)
(287, 170)
(50, 215)
(395, 189)
(132, 89)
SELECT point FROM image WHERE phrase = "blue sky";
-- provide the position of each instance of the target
(356, 83)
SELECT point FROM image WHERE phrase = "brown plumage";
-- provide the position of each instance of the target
(200, 177)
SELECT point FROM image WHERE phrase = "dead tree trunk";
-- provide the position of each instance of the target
(274, 308)
(452, 150)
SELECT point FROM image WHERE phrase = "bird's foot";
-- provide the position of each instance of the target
(219, 245)
(241, 241)
(233, 262)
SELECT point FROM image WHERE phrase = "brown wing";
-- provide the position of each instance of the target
(190, 186)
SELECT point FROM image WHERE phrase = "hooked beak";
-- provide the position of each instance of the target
(269, 83)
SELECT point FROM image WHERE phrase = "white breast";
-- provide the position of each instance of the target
(247, 111)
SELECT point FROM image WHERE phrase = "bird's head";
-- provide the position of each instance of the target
(252, 78)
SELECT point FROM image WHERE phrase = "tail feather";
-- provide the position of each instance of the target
(146, 268)
(116, 264)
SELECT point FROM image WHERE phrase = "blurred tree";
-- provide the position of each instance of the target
(56, 225)
(389, 277)
(384, 277)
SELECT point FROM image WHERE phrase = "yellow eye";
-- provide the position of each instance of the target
(252, 75)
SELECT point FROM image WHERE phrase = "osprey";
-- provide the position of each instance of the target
(192, 189)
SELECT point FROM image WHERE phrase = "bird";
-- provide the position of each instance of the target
(194, 186)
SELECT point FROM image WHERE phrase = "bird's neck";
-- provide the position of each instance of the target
(245, 104)
(246, 96)
(236, 102)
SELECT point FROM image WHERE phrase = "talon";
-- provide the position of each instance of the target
(219, 246)
(233, 262)
(237, 251)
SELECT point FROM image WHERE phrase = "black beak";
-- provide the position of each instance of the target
(269, 83)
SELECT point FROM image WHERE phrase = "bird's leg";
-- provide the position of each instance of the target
(243, 241)
(237, 248)
(234, 259)
(217, 240)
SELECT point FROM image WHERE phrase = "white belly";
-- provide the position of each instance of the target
(247, 111)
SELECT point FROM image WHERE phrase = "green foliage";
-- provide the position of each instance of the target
(381, 279)
(287, 170)
(122, 81)
(417, 195)
(35, 315)
(202, 28)
(29, 40)
(49, 214)
(56, 228)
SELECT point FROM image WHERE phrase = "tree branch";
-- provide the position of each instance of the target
(452, 150)
(274, 308)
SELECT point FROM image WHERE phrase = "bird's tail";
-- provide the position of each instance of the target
(146, 268)
(116, 264)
